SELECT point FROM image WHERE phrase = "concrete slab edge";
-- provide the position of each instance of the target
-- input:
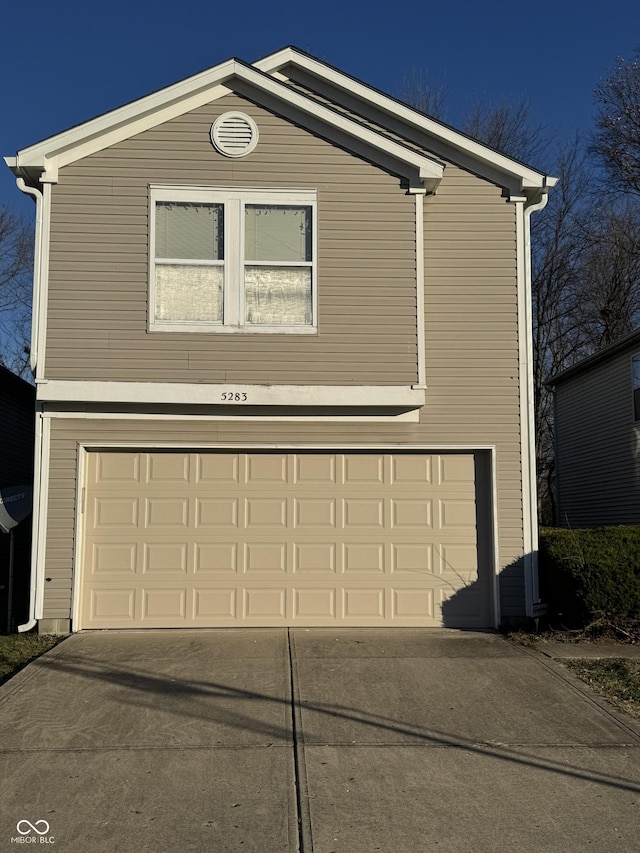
(623, 721)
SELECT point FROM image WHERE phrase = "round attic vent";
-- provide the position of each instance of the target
(234, 134)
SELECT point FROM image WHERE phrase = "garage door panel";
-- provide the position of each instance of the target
(217, 512)
(120, 468)
(314, 512)
(114, 559)
(317, 557)
(222, 538)
(363, 468)
(412, 468)
(168, 468)
(166, 513)
(116, 512)
(315, 469)
(216, 557)
(412, 557)
(163, 557)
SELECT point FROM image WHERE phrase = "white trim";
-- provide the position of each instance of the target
(271, 64)
(420, 295)
(495, 542)
(43, 515)
(79, 528)
(60, 390)
(93, 445)
(411, 416)
(120, 124)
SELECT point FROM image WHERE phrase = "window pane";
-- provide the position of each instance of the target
(277, 233)
(185, 293)
(189, 230)
(278, 296)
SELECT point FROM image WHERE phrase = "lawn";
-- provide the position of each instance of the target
(617, 679)
(16, 650)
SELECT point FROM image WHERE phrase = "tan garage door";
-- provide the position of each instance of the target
(205, 539)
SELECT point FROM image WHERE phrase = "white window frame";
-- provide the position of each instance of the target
(234, 201)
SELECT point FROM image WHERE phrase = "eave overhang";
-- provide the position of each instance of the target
(434, 135)
(40, 163)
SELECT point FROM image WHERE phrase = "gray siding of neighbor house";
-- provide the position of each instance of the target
(17, 423)
(98, 289)
(598, 446)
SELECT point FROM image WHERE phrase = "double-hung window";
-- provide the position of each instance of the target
(233, 260)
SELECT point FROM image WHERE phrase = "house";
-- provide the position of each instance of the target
(597, 437)
(282, 348)
(17, 437)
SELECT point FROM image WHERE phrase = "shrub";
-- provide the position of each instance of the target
(591, 571)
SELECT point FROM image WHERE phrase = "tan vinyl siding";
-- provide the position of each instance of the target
(472, 395)
(98, 288)
(597, 446)
(97, 321)
(472, 344)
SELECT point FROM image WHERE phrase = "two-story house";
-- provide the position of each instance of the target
(282, 353)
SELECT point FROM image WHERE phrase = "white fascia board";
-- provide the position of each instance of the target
(530, 178)
(427, 167)
(58, 151)
(60, 391)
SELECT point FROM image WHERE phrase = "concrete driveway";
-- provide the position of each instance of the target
(398, 741)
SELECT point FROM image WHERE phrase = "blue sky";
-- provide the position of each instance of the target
(65, 62)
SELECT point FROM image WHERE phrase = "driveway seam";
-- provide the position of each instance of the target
(305, 837)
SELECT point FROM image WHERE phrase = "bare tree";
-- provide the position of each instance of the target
(16, 261)
(558, 334)
(509, 128)
(610, 274)
(616, 142)
(423, 93)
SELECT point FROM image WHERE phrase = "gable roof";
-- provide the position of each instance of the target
(343, 108)
(629, 343)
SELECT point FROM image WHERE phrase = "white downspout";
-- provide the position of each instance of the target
(35, 314)
(37, 267)
(532, 588)
(35, 525)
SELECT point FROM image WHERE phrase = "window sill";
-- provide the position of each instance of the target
(215, 329)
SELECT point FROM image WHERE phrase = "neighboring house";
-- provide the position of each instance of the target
(17, 438)
(597, 437)
(282, 347)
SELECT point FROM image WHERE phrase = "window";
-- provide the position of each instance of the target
(635, 364)
(232, 260)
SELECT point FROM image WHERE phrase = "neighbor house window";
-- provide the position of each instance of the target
(232, 260)
(635, 364)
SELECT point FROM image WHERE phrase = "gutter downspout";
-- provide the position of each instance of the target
(532, 587)
(35, 525)
(37, 267)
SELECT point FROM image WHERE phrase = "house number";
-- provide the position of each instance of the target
(234, 397)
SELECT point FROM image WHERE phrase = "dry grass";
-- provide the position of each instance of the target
(16, 650)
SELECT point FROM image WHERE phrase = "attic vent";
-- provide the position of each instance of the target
(234, 134)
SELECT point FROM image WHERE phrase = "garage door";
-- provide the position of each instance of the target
(208, 539)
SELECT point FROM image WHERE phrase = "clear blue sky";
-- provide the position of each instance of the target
(64, 62)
